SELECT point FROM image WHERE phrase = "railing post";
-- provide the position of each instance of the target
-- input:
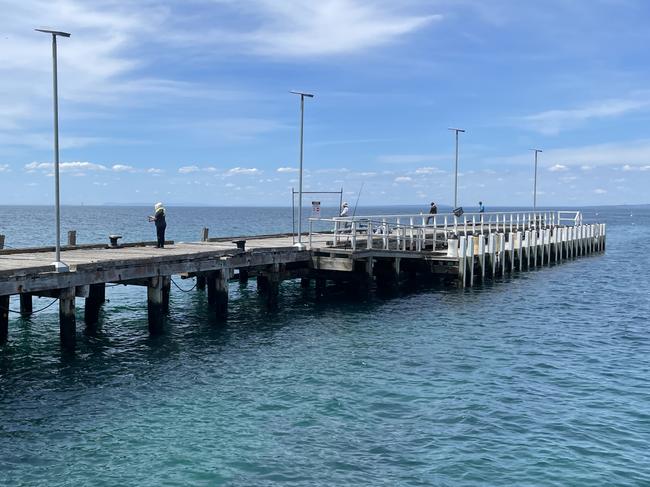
(354, 235)
(369, 244)
(397, 229)
(384, 231)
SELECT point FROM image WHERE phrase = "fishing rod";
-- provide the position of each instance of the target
(354, 212)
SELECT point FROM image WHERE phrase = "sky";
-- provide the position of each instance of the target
(187, 102)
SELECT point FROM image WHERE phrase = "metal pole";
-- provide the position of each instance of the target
(300, 245)
(535, 180)
(58, 265)
(535, 185)
(456, 168)
(56, 151)
(302, 119)
(293, 214)
(456, 175)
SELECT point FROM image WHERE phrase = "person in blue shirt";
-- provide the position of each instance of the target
(481, 208)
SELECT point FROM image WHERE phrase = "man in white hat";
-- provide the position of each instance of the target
(345, 209)
(161, 224)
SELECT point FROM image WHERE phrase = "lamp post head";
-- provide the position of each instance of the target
(456, 130)
(536, 150)
(54, 32)
(301, 93)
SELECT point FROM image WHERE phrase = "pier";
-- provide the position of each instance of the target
(365, 252)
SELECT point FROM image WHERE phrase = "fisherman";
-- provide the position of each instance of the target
(161, 224)
(432, 211)
(345, 211)
(481, 208)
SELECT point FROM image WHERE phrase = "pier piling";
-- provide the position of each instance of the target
(93, 303)
(67, 318)
(155, 308)
(166, 291)
(221, 294)
(26, 305)
(4, 319)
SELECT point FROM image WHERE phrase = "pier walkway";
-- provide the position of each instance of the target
(362, 251)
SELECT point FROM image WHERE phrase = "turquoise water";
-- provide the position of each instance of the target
(537, 379)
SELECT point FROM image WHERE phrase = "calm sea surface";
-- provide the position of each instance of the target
(542, 378)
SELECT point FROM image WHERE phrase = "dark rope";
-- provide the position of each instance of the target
(184, 290)
(33, 312)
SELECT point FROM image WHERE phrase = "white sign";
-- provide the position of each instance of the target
(315, 209)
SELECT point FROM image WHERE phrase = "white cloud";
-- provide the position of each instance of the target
(600, 191)
(122, 168)
(4, 168)
(287, 169)
(154, 170)
(428, 170)
(586, 167)
(552, 122)
(304, 28)
(188, 169)
(243, 170)
(403, 179)
(558, 168)
(628, 167)
(632, 153)
(65, 166)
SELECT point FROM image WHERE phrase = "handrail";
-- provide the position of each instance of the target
(421, 231)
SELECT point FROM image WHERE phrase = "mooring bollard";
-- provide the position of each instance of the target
(2, 242)
(72, 238)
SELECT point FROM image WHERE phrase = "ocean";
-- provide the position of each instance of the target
(538, 378)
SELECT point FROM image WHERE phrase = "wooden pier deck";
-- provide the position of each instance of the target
(365, 252)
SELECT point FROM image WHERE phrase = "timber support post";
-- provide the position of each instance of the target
(273, 289)
(155, 310)
(262, 284)
(166, 291)
(67, 320)
(243, 276)
(221, 294)
(200, 282)
(94, 301)
(72, 238)
(321, 284)
(4, 319)
(26, 305)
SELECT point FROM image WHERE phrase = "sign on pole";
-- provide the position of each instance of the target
(315, 209)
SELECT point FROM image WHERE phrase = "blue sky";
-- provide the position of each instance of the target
(188, 102)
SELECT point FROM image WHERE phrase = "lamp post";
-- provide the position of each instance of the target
(58, 265)
(456, 171)
(536, 151)
(299, 244)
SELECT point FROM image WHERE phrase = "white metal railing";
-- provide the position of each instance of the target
(569, 218)
(424, 231)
